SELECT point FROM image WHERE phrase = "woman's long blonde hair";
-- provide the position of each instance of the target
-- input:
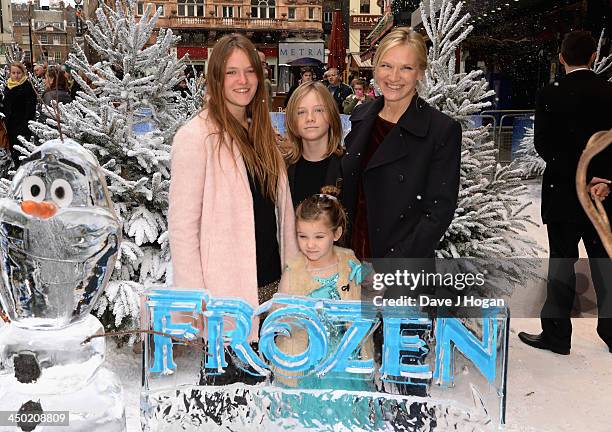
(334, 142)
(257, 145)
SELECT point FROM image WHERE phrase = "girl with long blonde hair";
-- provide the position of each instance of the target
(314, 135)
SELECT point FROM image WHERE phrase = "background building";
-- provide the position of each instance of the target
(200, 23)
(364, 16)
(6, 28)
(44, 33)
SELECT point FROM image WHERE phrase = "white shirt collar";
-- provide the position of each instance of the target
(579, 69)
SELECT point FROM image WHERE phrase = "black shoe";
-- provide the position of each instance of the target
(540, 342)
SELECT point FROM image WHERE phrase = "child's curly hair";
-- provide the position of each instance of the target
(326, 204)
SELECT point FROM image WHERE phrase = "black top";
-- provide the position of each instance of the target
(309, 178)
(19, 107)
(266, 243)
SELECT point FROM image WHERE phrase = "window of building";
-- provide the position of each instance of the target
(228, 11)
(327, 17)
(140, 8)
(311, 13)
(365, 6)
(363, 38)
(58, 57)
(25, 39)
(44, 39)
(291, 15)
(160, 5)
(263, 8)
(56, 40)
(190, 8)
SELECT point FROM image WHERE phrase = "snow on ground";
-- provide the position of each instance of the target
(546, 392)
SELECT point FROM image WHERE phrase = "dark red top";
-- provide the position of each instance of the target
(360, 240)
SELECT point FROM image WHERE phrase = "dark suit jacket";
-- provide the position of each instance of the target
(568, 112)
(340, 94)
(410, 184)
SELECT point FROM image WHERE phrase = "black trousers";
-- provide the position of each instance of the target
(563, 239)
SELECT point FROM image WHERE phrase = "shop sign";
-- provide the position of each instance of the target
(364, 21)
(290, 51)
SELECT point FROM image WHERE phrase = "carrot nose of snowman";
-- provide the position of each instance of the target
(42, 210)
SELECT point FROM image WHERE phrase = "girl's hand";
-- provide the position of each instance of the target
(283, 144)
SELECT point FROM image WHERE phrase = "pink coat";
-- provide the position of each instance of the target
(211, 224)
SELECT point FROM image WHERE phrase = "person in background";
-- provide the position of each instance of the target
(358, 97)
(182, 87)
(324, 80)
(267, 82)
(568, 113)
(306, 75)
(337, 88)
(56, 90)
(39, 71)
(314, 139)
(18, 106)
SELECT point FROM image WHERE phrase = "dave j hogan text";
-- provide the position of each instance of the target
(424, 300)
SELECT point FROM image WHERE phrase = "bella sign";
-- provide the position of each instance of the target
(364, 21)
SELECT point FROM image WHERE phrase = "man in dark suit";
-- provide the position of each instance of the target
(568, 112)
(338, 89)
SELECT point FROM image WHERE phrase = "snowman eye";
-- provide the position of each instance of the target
(33, 189)
(61, 193)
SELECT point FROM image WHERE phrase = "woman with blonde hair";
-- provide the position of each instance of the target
(314, 135)
(231, 222)
(401, 168)
(18, 106)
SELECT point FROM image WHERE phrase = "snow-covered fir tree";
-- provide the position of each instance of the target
(132, 78)
(527, 159)
(489, 221)
(602, 64)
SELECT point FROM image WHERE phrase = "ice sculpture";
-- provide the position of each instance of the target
(442, 373)
(59, 237)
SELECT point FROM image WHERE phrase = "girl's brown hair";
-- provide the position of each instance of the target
(57, 78)
(334, 143)
(326, 204)
(258, 144)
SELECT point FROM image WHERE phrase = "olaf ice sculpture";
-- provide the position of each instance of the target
(59, 238)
